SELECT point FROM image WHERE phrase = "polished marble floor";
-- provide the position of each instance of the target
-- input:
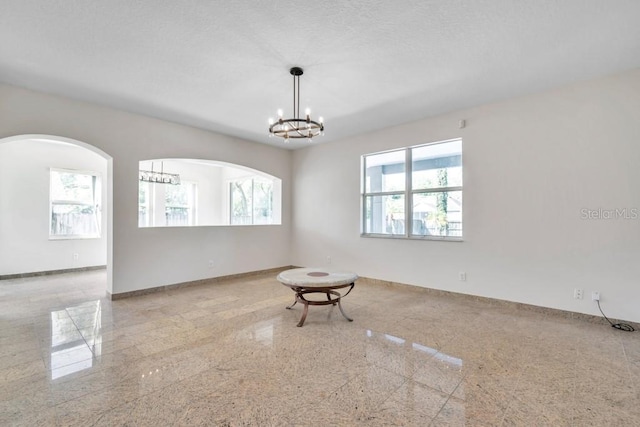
(230, 354)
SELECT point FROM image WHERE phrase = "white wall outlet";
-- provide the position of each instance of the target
(577, 293)
(595, 296)
(462, 276)
(328, 260)
(211, 264)
(76, 256)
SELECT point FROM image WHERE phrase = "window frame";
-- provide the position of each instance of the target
(408, 193)
(96, 205)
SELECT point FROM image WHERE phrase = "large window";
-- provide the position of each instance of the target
(251, 201)
(74, 204)
(414, 192)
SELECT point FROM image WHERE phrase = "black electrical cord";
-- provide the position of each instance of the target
(622, 326)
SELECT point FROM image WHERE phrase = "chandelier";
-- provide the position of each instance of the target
(161, 177)
(297, 127)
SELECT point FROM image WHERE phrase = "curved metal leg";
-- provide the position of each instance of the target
(343, 313)
(329, 298)
(304, 315)
(291, 306)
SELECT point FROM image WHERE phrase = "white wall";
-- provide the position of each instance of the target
(150, 257)
(25, 246)
(531, 166)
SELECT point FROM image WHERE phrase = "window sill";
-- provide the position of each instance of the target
(74, 237)
(403, 237)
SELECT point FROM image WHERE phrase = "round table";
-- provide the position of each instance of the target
(305, 281)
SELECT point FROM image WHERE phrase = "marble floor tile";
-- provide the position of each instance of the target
(229, 353)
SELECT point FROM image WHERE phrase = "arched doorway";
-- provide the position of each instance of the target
(48, 227)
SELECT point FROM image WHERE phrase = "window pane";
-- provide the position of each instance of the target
(72, 186)
(73, 220)
(437, 165)
(385, 172)
(144, 198)
(262, 201)
(179, 204)
(437, 214)
(384, 214)
(74, 210)
(241, 202)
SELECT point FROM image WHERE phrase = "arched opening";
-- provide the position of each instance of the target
(198, 192)
(55, 206)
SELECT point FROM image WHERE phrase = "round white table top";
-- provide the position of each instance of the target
(320, 277)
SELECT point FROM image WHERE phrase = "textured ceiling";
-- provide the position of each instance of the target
(223, 65)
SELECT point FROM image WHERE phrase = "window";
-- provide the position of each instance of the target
(251, 201)
(414, 192)
(74, 204)
(167, 205)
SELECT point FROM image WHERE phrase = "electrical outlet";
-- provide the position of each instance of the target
(76, 256)
(211, 264)
(328, 260)
(595, 296)
(577, 293)
(462, 276)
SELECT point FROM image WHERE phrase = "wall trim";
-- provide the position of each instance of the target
(209, 281)
(51, 272)
(516, 306)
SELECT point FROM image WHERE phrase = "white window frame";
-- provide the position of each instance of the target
(408, 194)
(95, 205)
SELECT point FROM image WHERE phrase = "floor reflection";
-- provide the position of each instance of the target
(75, 338)
(261, 332)
(449, 360)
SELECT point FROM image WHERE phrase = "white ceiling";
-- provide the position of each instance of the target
(369, 64)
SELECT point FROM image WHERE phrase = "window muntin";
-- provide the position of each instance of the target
(74, 204)
(428, 205)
